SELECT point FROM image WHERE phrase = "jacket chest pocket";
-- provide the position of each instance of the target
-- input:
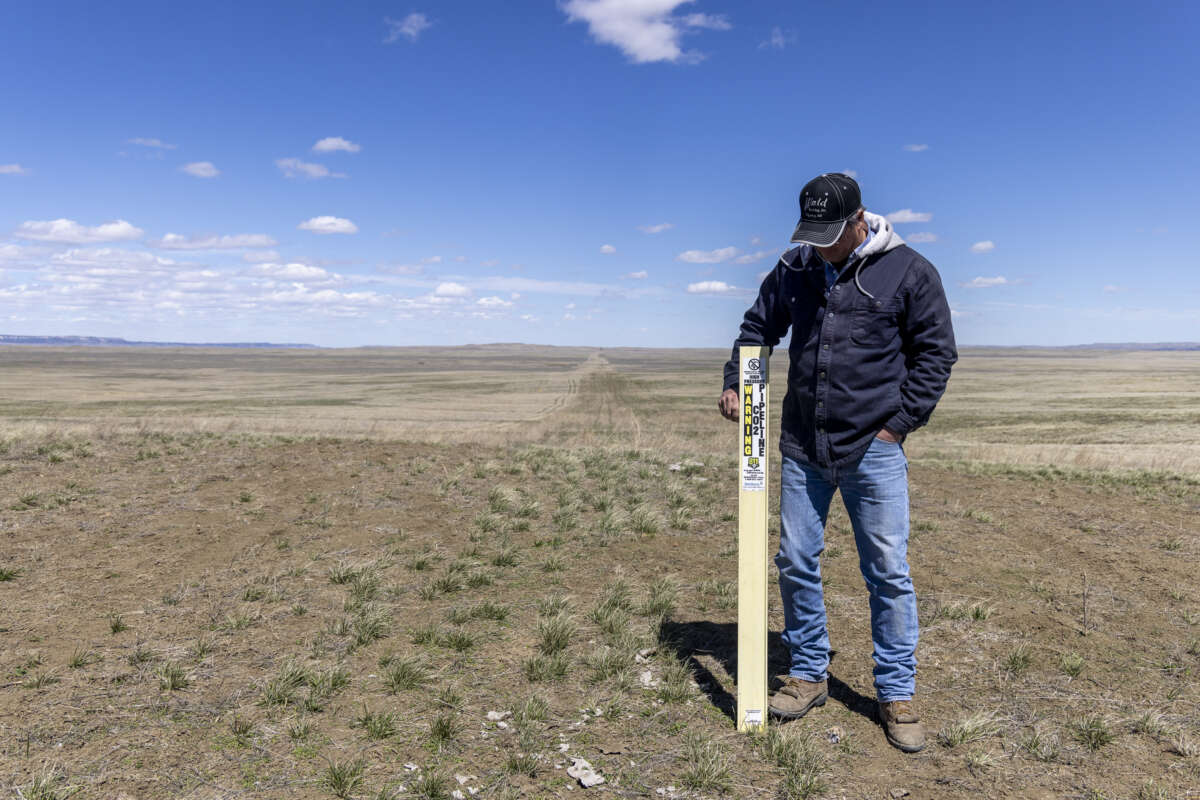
(876, 323)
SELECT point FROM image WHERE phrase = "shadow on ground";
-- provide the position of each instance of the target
(691, 641)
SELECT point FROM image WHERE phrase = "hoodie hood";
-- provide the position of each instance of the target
(883, 238)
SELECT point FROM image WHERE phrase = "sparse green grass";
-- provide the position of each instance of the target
(1092, 731)
(116, 623)
(676, 685)
(344, 778)
(522, 764)
(1071, 664)
(660, 600)
(242, 730)
(9, 573)
(82, 657)
(554, 633)
(443, 729)
(506, 558)
(459, 641)
(376, 724)
(707, 765)
(431, 786)
(968, 729)
(1040, 746)
(544, 668)
(41, 680)
(403, 674)
(172, 677)
(49, 785)
(643, 520)
(1019, 659)
(488, 610)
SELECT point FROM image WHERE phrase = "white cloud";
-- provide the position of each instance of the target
(778, 39)
(659, 228)
(325, 225)
(607, 249)
(260, 256)
(908, 215)
(493, 302)
(13, 169)
(293, 272)
(850, 173)
(201, 169)
(640, 275)
(1112, 288)
(983, 247)
(919, 238)
(707, 256)
(451, 289)
(750, 258)
(644, 30)
(68, 231)
(331, 144)
(916, 148)
(177, 241)
(410, 27)
(710, 287)
(157, 144)
(986, 283)
(295, 168)
(109, 257)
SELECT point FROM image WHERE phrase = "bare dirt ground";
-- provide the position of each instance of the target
(212, 615)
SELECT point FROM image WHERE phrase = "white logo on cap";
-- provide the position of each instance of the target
(815, 202)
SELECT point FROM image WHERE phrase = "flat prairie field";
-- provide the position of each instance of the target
(457, 572)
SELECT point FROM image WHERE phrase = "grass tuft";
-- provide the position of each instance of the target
(343, 778)
(968, 729)
(707, 765)
(1092, 731)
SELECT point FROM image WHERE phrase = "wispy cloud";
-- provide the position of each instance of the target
(778, 40)
(493, 302)
(295, 168)
(916, 148)
(607, 249)
(1112, 288)
(659, 228)
(711, 287)
(411, 27)
(645, 31)
(260, 256)
(332, 144)
(325, 225)
(201, 169)
(157, 144)
(908, 215)
(13, 169)
(640, 275)
(920, 238)
(451, 289)
(68, 231)
(983, 247)
(707, 256)
(986, 283)
(294, 272)
(177, 241)
(750, 258)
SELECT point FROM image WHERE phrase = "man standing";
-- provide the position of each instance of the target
(870, 355)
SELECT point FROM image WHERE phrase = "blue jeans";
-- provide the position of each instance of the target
(875, 492)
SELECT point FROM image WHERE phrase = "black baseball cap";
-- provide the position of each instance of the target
(826, 202)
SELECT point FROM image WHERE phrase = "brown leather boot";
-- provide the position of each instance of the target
(902, 725)
(797, 696)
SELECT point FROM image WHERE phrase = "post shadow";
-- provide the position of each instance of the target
(688, 640)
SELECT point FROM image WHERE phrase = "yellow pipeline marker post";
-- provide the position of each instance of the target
(752, 542)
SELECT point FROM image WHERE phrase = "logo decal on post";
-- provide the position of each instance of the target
(754, 433)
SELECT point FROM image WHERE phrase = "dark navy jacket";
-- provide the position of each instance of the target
(857, 363)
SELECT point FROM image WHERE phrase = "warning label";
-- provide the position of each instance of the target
(754, 428)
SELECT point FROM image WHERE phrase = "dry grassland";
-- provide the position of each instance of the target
(372, 573)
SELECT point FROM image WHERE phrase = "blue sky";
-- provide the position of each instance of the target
(597, 172)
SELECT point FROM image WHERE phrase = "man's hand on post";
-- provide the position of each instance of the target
(729, 405)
